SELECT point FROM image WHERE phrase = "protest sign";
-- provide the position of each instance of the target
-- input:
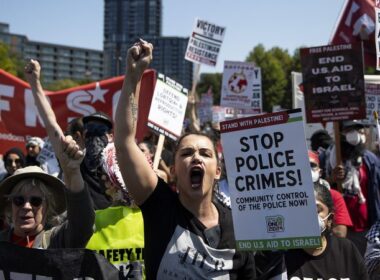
(168, 107)
(269, 178)
(19, 117)
(20, 263)
(241, 86)
(377, 32)
(204, 108)
(205, 42)
(333, 83)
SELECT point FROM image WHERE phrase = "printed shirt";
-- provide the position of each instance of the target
(176, 246)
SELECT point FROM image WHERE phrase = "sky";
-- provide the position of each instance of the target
(286, 24)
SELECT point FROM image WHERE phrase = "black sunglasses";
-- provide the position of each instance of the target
(35, 201)
(313, 165)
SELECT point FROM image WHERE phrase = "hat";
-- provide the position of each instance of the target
(352, 124)
(98, 116)
(313, 156)
(56, 186)
(35, 141)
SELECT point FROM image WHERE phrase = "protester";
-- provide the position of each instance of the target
(97, 133)
(336, 258)
(186, 234)
(34, 146)
(341, 218)
(31, 197)
(359, 177)
(13, 160)
(119, 228)
(372, 254)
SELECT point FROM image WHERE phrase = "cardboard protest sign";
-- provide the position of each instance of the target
(333, 83)
(168, 107)
(269, 178)
(205, 42)
(241, 86)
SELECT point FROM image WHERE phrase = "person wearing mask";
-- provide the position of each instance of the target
(359, 177)
(97, 133)
(187, 234)
(341, 218)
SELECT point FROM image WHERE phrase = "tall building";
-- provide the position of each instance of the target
(58, 62)
(127, 20)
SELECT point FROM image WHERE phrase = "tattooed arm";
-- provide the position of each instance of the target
(67, 151)
(134, 167)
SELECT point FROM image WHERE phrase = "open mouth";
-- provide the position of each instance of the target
(196, 177)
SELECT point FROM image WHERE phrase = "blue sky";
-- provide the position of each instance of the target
(286, 24)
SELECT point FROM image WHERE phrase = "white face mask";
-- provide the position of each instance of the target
(321, 222)
(354, 137)
(315, 175)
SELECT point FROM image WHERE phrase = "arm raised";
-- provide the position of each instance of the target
(67, 151)
(135, 169)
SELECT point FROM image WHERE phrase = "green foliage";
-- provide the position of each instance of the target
(213, 80)
(62, 84)
(276, 66)
(11, 61)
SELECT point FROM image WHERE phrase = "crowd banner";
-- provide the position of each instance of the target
(356, 24)
(270, 182)
(168, 107)
(205, 42)
(20, 263)
(19, 117)
(333, 83)
(241, 86)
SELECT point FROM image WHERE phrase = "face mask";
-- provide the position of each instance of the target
(94, 147)
(315, 175)
(321, 222)
(354, 137)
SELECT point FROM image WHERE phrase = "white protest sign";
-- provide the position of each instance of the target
(168, 107)
(269, 177)
(205, 42)
(241, 86)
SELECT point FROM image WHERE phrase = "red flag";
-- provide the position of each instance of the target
(19, 116)
(356, 24)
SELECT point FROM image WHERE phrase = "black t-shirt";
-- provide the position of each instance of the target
(176, 245)
(340, 260)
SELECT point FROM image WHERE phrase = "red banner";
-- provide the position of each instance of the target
(357, 24)
(19, 117)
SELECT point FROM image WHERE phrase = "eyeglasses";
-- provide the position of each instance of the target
(35, 201)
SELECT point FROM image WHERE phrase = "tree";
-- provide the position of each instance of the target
(276, 66)
(11, 61)
(213, 80)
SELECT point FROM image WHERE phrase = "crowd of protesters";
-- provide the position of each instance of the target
(101, 191)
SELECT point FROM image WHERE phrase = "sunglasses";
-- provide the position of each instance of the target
(35, 201)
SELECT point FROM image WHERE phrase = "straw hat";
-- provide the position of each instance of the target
(56, 186)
